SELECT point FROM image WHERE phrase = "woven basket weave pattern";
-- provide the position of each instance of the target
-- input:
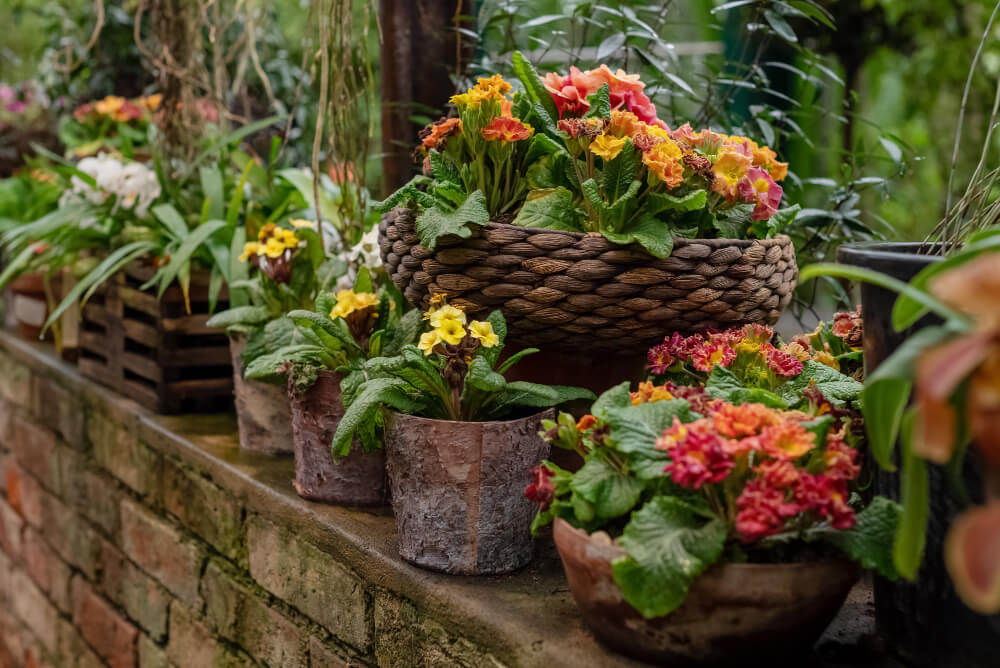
(569, 288)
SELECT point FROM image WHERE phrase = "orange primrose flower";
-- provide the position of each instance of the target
(504, 128)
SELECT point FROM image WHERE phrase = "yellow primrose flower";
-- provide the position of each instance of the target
(302, 222)
(287, 237)
(427, 342)
(151, 102)
(273, 248)
(249, 248)
(266, 231)
(438, 298)
(607, 146)
(483, 331)
(445, 314)
(451, 331)
(365, 300)
(109, 105)
(824, 357)
(347, 303)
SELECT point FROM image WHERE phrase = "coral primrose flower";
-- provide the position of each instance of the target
(787, 440)
(762, 510)
(730, 167)
(665, 161)
(504, 128)
(659, 359)
(781, 362)
(759, 189)
(697, 454)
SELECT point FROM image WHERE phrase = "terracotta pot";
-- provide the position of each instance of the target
(458, 491)
(29, 305)
(262, 411)
(357, 479)
(732, 611)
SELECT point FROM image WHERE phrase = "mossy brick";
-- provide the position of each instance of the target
(206, 509)
(161, 550)
(144, 600)
(404, 638)
(36, 451)
(151, 655)
(119, 450)
(237, 612)
(73, 539)
(310, 580)
(73, 649)
(34, 610)
(6, 572)
(324, 654)
(28, 495)
(15, 381)
(104, 629)
(49, 572)
(6, 417)
(92, 492)
(192, 644)
(60, 409)
(11, 531)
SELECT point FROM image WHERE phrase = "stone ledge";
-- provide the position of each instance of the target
(338, 567)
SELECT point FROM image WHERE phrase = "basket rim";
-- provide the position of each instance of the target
(717, 242)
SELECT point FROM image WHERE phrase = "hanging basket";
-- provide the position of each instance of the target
(574, 289)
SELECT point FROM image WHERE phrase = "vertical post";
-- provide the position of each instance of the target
(419, 52)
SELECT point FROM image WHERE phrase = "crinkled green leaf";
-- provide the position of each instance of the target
(723, 384)
(435, 222)
(600, 103)
(657, 203)
(869, 541)
(377, 392)
(610, 493)
(668, 546)
(835, 386)
(241, 315)
(618, 174)
(615, 397)
(652, 234)
(482, 376)
(549, 208)
(636, 428)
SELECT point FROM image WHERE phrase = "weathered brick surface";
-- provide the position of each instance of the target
(307, 578)
(117, 550)
(205, 508)
(110, 634)
(161, 550)
(48, 571)
(142, 598)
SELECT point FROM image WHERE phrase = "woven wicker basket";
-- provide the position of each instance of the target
(576, 289)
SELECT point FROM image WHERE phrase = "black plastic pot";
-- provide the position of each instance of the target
(923, 623)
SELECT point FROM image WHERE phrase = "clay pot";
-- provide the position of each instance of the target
(262, 411)
(458, 491)
(357, 479)
(733, 611)
(30, 306)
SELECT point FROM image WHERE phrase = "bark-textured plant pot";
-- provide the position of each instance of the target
(732, 612)
(458, 491)
(357, 479)
(262, 412)
(924, 623)
(565, 290)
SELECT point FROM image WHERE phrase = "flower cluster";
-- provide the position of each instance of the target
(451, 328)
(848, 326)
(783, 478)
(838, 346)
(118, 109)
(133, 185)
(358, 309)
(570, 92)
(272, 252)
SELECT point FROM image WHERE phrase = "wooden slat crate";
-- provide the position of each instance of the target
(152, 350)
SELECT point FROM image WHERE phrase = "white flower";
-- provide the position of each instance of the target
(363, 254)
(134, 185)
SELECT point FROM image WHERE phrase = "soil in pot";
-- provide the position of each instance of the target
(458, 491)
(734, 614)
(923, 622)
(357, 479)
(262, 411)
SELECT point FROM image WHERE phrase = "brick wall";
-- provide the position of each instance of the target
(119, 550)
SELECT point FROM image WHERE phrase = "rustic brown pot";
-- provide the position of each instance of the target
(458, 491)
(733, 611)
(29, 305)
(262, 411)
(357, 479)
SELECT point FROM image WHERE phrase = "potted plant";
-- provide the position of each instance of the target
(334, 339)
(572, 208)
(702, 529)
(949, 370)
(460, 442)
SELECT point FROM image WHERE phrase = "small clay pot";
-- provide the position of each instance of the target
(30, 306)
(357, 479)
(262, 411)
(458, 491)
(732, 611)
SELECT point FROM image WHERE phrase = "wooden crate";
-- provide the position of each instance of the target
(153, 351)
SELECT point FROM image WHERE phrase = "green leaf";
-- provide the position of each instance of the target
(404, 332)
(776, 224)
(377, 392)
(592, 192)
(363, 283)
(241, 315)
(668, 546)
(533, 86)
(615, 397)
(211, 185)
(273, 336)
(835, 386)
(172, 220)
(619, 173)
(183, 254)
(861, 274)
(482, 376)
(520, 393)
(237, 270)
(600, 103)
(541, 145)
(780, 25)
(723, 384)
(549, 208)
(657, 203)
(611, 493)
(302, 181)
(435, 222)
(499, 325)
(647, 465)
(884, 402)
(443, 168)
(335, 328)
(908, 547)
(269, 366)
(515, 358)
(637, 427)
(868, 542)
(652, 234)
